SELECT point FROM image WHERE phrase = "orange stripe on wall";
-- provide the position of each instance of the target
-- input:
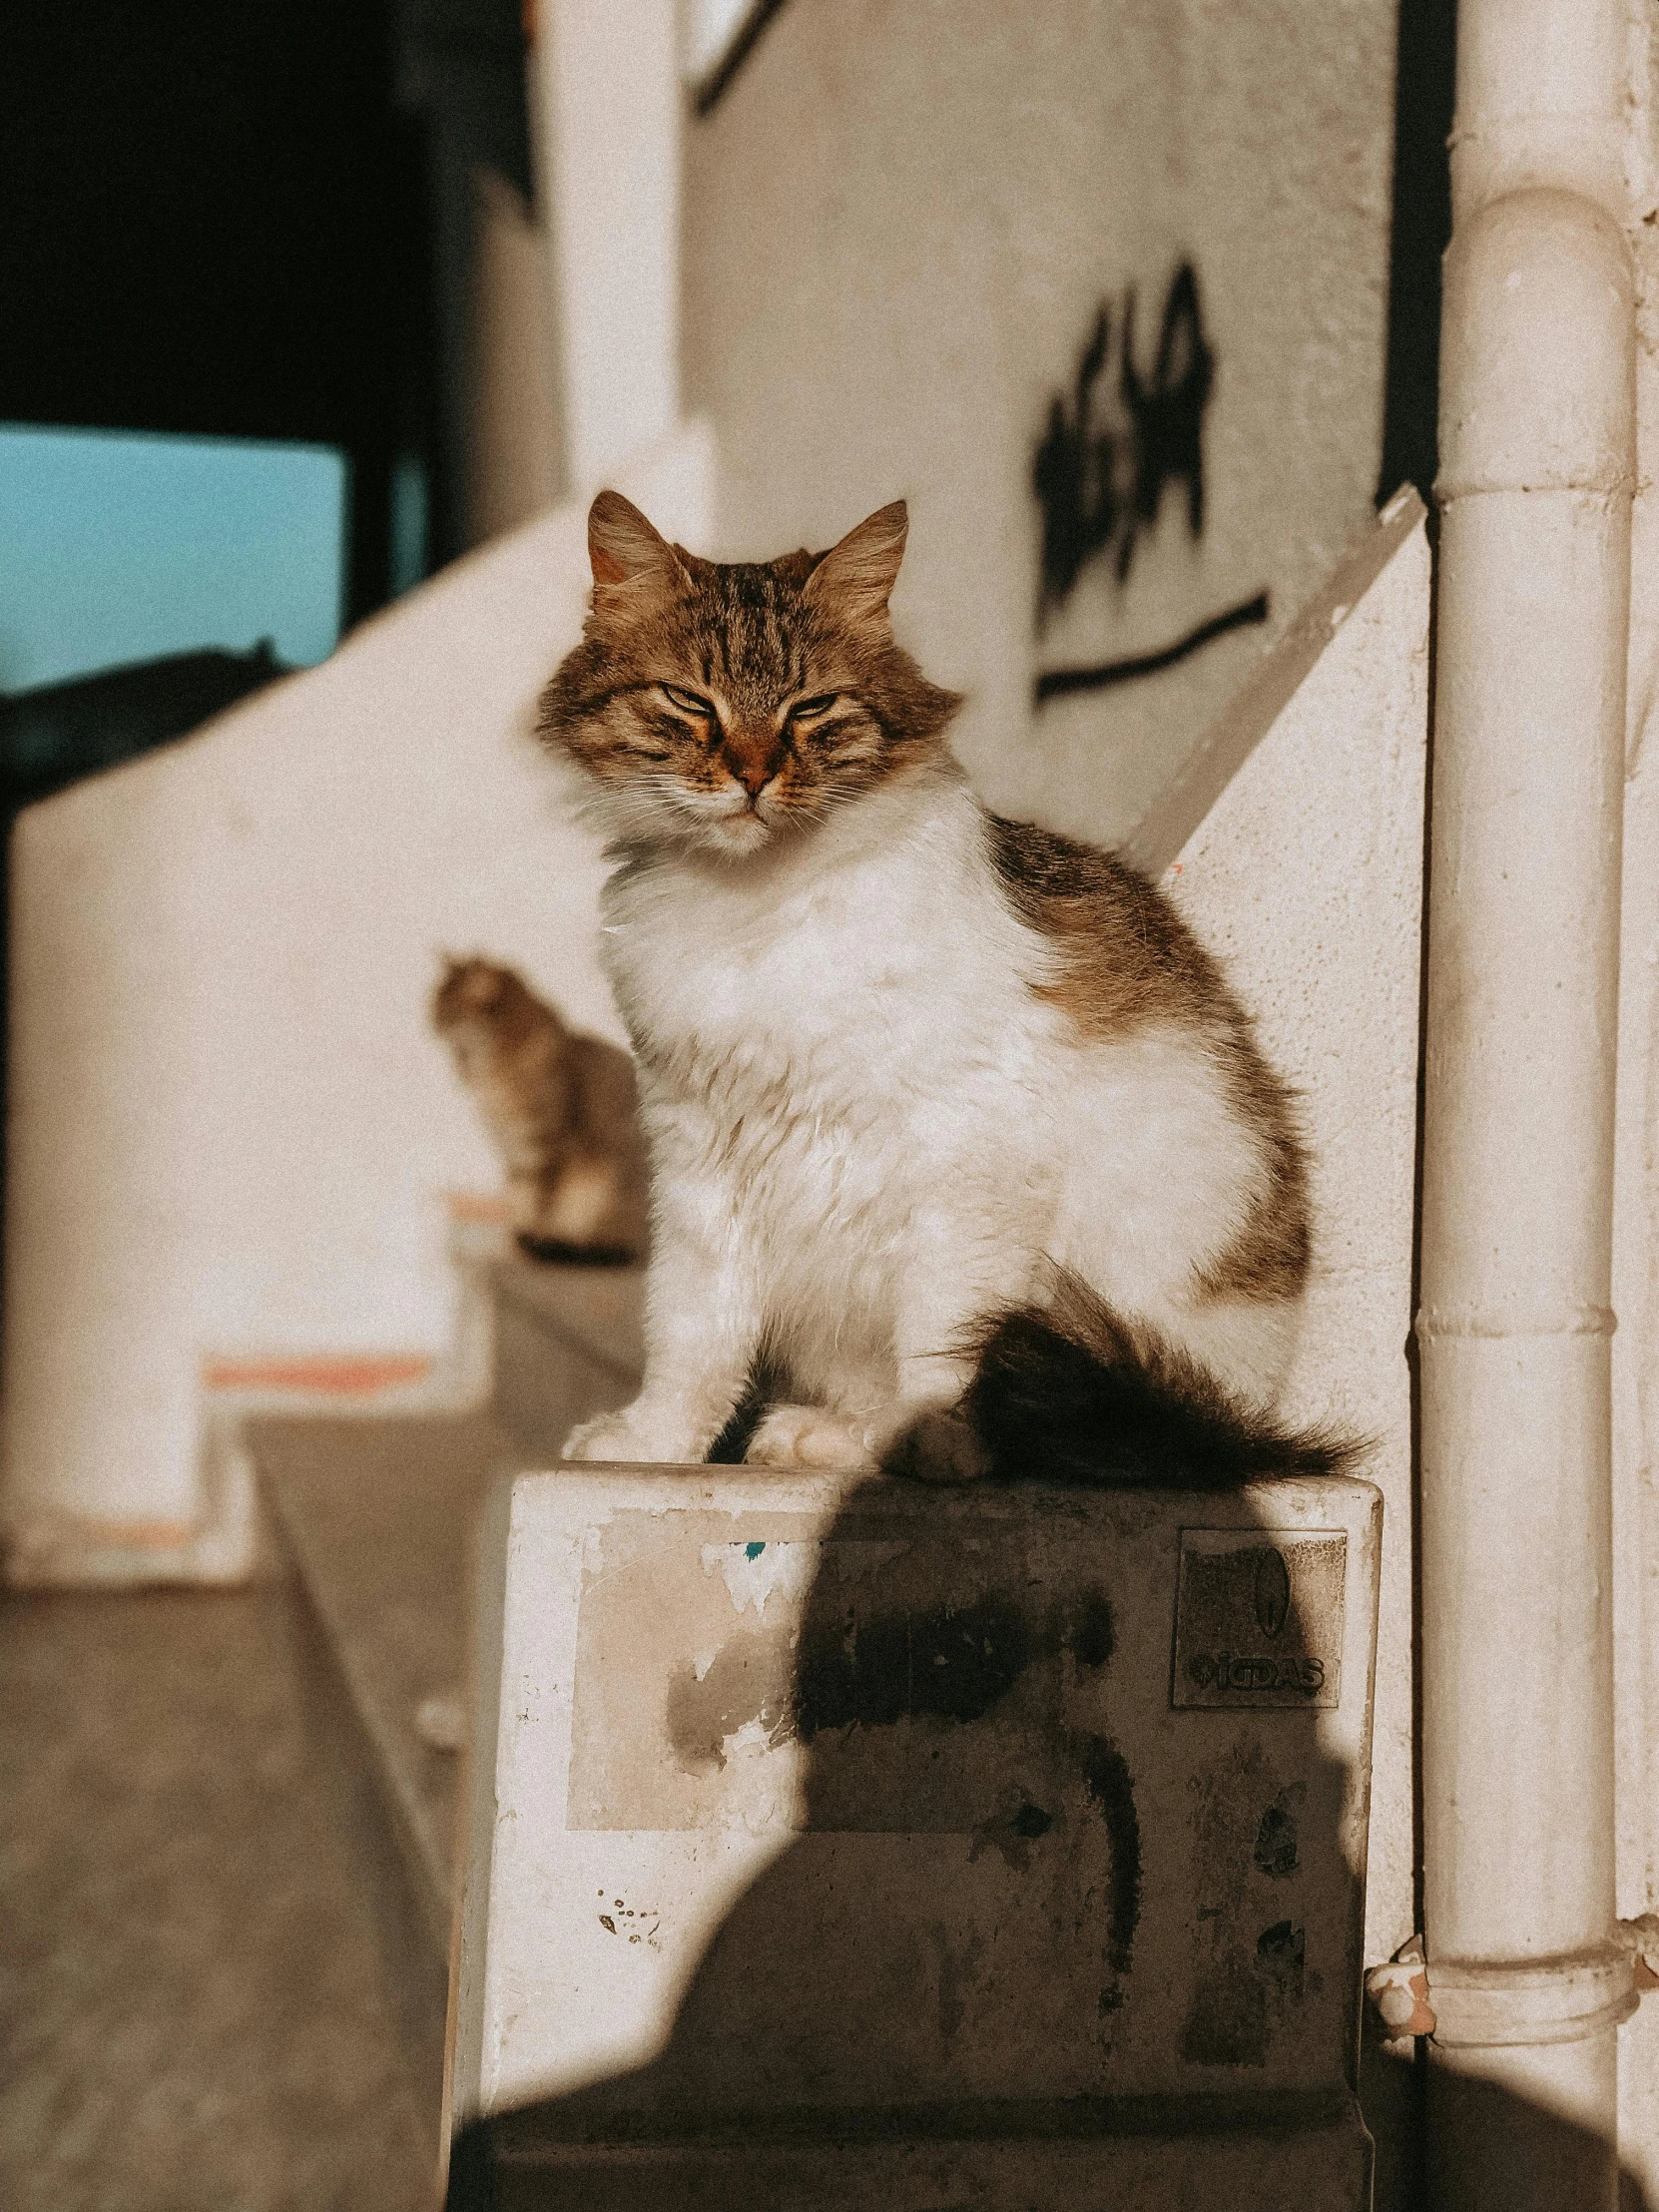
(331, 1376)
(488, 1205)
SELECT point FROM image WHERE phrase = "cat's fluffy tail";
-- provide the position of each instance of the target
(1070, 1391)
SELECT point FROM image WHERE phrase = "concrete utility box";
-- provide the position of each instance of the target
(843, 1843)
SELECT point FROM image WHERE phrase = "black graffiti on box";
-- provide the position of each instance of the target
(1125, 433)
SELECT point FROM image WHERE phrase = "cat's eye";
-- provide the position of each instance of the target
(808, 710)
(687, 702)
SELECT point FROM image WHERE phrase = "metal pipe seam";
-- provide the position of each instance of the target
(1607, 497)
(1533, 151)
(1488, 2004)
(1541, 98)
(1435, 1323)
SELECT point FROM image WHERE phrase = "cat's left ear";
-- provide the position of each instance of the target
(859, 574)
(623, 546)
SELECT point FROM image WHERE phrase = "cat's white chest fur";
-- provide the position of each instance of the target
(859, 1102)
(863, 982)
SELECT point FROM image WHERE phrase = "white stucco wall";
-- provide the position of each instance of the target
(230, 1126)
(605, 108)
(1636, 1166)
(515, 451)
(899, 222)
(1306, 878)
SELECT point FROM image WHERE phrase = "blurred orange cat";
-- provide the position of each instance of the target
(562, 1109)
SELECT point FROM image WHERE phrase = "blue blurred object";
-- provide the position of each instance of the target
(120, 546)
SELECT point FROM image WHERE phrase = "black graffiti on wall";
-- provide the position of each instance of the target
(1054, 683)
(1108, 456)
(1123, 437)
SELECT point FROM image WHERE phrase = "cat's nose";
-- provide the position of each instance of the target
(754, 771)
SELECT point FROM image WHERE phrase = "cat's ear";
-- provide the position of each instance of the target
(857, 575)
(623, 546)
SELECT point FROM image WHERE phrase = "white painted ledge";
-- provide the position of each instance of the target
(230, 1127)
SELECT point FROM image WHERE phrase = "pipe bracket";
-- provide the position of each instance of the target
(1641, 1938)
(1400, 1993)
(1479, 2002)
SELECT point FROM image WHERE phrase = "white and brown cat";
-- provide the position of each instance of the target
(953, 1123)
(561, 1109)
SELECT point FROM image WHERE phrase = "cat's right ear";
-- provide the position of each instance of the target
(859, 574)
(623, 546)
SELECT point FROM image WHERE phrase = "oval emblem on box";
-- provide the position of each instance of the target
(1259, 1617)
(1273, 1592)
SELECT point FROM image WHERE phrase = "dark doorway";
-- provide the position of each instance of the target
(213, 219)
(1423, 98)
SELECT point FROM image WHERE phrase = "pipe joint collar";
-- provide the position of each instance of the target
(1580, 151)
(1513, 1317)
(1537, 349)
(1481, 2003)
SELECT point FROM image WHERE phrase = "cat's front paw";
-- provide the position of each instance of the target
(941, 1446)
(808, 1436)
(620, 1436)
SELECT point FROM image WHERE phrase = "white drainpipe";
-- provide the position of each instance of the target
(1537, 460)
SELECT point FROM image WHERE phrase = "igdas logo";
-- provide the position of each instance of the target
(1226, 1670)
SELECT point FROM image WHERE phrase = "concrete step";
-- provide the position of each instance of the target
(372, 1520)
(373, 1517)
(1288, 2155)
(567, 1345)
